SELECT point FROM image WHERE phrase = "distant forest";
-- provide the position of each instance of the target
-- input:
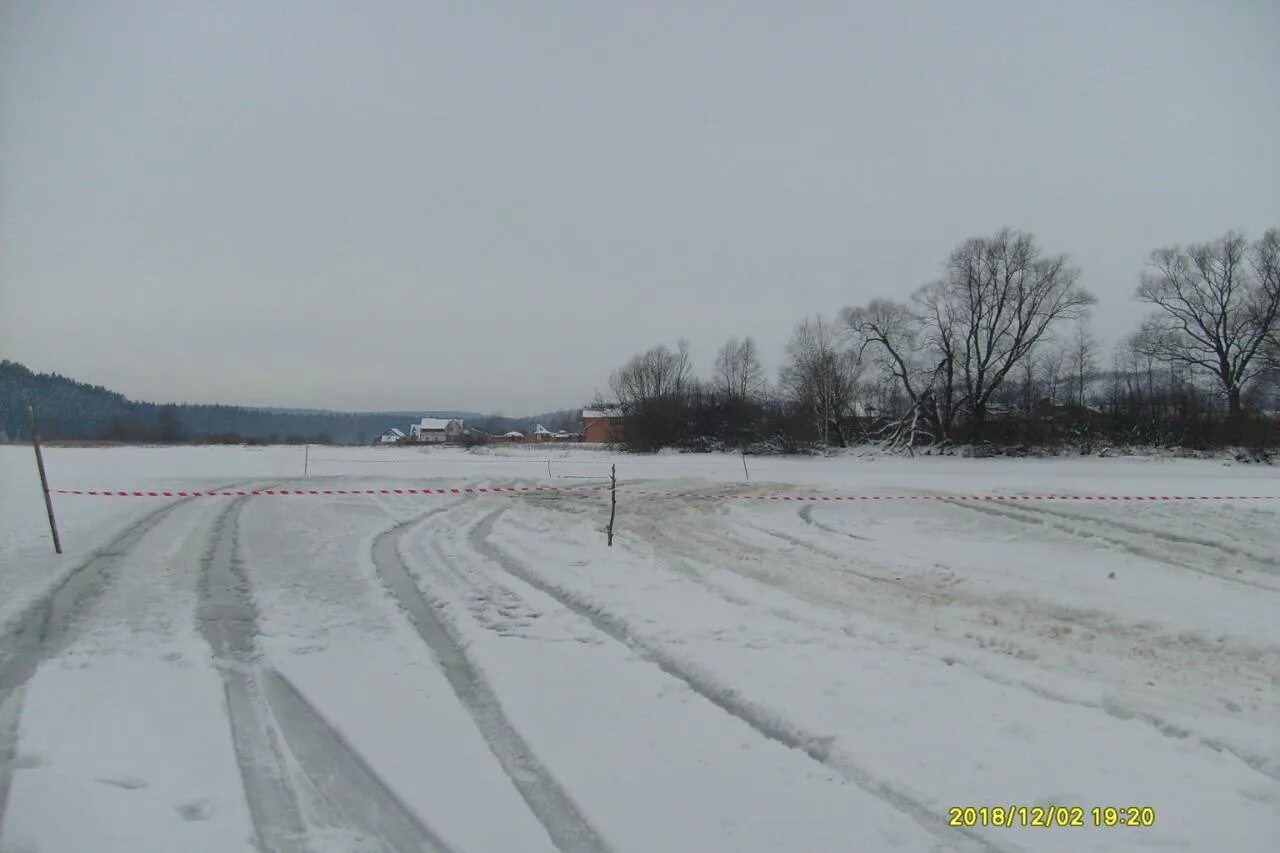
(72, 410)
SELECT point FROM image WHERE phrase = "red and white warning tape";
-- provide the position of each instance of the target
(228, 493)
(581, 492)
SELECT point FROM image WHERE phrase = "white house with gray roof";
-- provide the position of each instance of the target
(436, 430)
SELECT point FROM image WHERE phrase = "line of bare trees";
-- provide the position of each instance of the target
(997, 349)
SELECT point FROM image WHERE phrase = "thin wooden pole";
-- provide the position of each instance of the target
(744, 465)
(613, 499)
(44, 481)
(306, 460)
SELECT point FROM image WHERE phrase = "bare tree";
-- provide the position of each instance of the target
(999, 297)
(889, 335)
(1217, 305)
(1030, 387)
(1137, 370)
(821, 377)
(653, 391)
(655, 374)
(738, 373)
(1265, 261)
(1081, 359)
(1056, 383)
(940, 336)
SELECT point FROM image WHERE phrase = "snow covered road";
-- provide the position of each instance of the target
(478, 673)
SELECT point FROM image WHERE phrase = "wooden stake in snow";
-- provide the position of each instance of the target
(744, 465)
(306, 461)
(44, 481)
(613, 499)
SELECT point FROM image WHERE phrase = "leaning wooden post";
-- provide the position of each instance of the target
(744, 465)
(44, 481)
(613, 499)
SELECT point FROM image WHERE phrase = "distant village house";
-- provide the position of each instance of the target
(436, 430)
(602, 426)
(453, 430)
(391, 436)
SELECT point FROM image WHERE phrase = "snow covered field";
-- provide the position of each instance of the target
(480, 673)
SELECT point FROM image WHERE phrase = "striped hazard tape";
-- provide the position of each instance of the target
(228, 493)
(594, 490)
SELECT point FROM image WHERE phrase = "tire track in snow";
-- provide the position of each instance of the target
(945, 591)
(551, 805)
(806, 515)
(1267, 766)
(1074, 525)
(10, 716)
(49, 626)
(938, 592)
(1059, 621)
(228, 621)
(272, 725)
(361, 797)
(684, 562)
(1163, 534)
(669, 542)
(765, 723)
(1264, 765)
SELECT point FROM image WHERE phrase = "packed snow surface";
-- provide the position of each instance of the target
(479, 672)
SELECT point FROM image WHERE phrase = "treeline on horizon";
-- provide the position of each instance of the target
(71, 410)
(996, 352)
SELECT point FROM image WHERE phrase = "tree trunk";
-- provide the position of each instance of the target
(840, 436)
(1233, 403)
(978, 427)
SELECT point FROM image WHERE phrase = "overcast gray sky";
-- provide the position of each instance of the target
(489, 206)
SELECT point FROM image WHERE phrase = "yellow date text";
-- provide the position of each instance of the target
(1051, 816)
